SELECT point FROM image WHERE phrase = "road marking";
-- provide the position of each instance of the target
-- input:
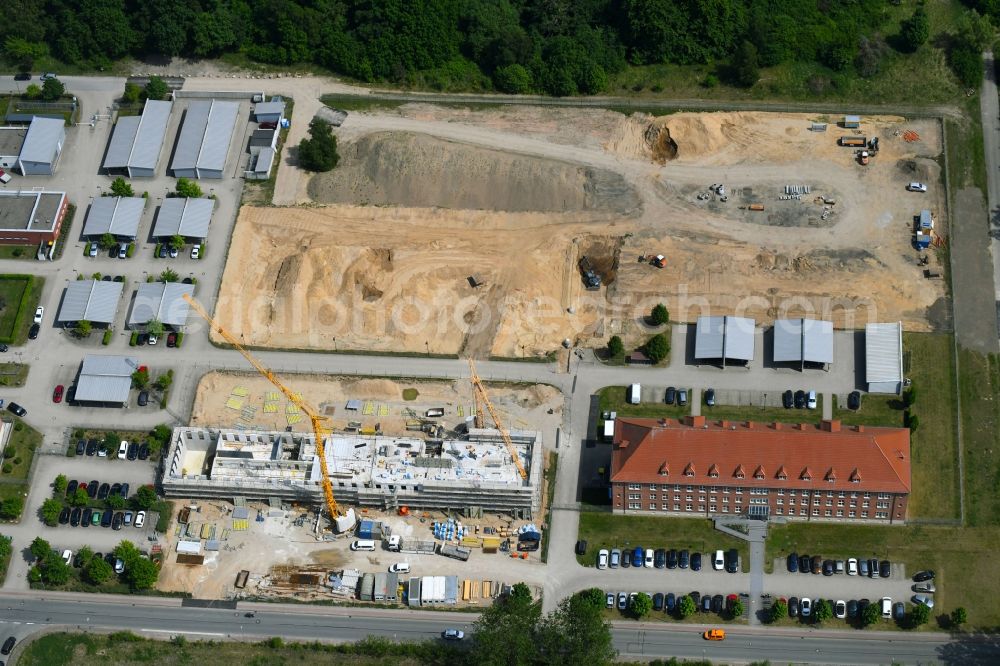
(173, 633)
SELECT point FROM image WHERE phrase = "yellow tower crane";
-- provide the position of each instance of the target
(319, 422)
(483, 398)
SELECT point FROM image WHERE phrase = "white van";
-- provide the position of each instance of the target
(634, 393)
(363, 544)
(122, 450)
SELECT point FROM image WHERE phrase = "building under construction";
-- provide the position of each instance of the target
(374, 471)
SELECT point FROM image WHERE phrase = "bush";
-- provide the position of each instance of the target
(616, 347)
(52, 90)
(319, 151)
(188, 188)
(659, 315)
(133, 339)
(658, 347)
(130, 250)
(7, 468)
(156, 88)
(107, 337)
(10, 508)
(121, 188)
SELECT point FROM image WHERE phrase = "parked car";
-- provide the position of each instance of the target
(143, 451)
(873, 568)
(650, 558)
(174, 252)
(660, 558)
(81, 447)
(696, 598)
(8, 645)
(800, 399)
(117, 521)
(682, 397)
(119, 566)
(805, 606)
(57, 393)
(602, 559)
(74, 517)
(92, 252)
(683, 559)
(96, 517)
(854, 400)
(143, 398)
(133, 451)
(16, 409)
(884, 569)
(22, 76)
(717, 603)
(923, 600)
(898, 611)
(171, 339)
(840, 609)
(886, 607)
(672, 558)
(827, 567)
(153, 339)
(793, 607)
(86, 517)
(732, 560)
(196, 252)
(852, 608)
(719, 561)
(622, 601)
(128, 519)
(852, 566)
(670, 602)
(615, 560)
(140, 520)
(92, 445)
(122, 251)
(34, 331)
(637, 556)
(124, 490)
(916, 187)
(793, 562)
(626, 558)
(107, 518)
(862, 605)
(581, 545)
(122, 450)
(710, 397)
(71, 488)
(670, 396)
(162, 253)
(921, 576)
(817, 564)
(863, 567)
(838, 567)
(116, 488)
(103, 491)
(804, 564)
(39, 314)
(811, 400)
(706, 603)
(658, 601)
(696, 561)
(47, 75)
(787, 399)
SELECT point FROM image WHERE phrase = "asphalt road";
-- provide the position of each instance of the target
(21, 616)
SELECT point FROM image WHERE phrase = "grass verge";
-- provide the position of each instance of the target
(19, 452)
(613, 399)
(550, 493)
(18, 299)
(13, 374)
(979, 384)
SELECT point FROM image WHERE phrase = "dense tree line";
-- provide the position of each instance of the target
(559, 47)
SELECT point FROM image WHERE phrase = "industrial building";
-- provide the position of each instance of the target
(204, 139)
(181, 216)
(162, 301)
(95, 301)
(724, 339)
(30, 217)
(261, 165)
(269, 112)
(137, 141)
(803, 342)
(702, 468)
(105, 380)
(261, 139)
(11, 140)
(370, 471)
(118, 216)
(42, 147)
(884, 358)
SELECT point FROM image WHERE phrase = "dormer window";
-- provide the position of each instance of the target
(713, 471)
(782, 475)
(759, 473)
(689, 470)
(739, 473)
(806, 475)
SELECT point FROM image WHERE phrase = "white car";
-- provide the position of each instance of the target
(916, 187)
(140, 519)
(122, 450)
(174, 252)
(453, 634)
(39, 313)
(811, 400)
(719, 560)
(887, 607)
(400, 567)
(93, 250)
(196, 252)
(852, 566)
(4, 177)
(119, 565)
(123, 251)
(805, 607)
(67, 556)
(923, 600)
(650, 559)
(602, 559)
(153, 339)
(840, 609)
(609, 600)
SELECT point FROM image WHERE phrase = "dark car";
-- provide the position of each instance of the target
(22, 76)
(107, 278)
(804, 566)
(162, 254)
(637, 556)
(671, 395)
(142, 401)
(923, 576)
(696, 598)
(827, 567)
(706, 603)
(144, 453)
(115, 489)
(683, 559)
(187, 280)
(787, 399)
(695, 561)
(717, 603)
(710, 397)
(626, 558)
(873, 568)
(110, 558)
(64, 516)
(793, 607)
(92, 488)
(16, 409)
(124, 491)
(74, 517)
(8, 645)
(107, 518)
(800, 399)
(672, 558)
(142, 339)
(884, 569)
(78, 560)
(732, 560)
(852, 608)
(670, 602)
(103, 491)
(793, 563)
(682, 397)
(92, 445)
(33, 331)
(660, 558)
(581, 547)
(854, 400)
(898, 611)
(172, 339)
(817, 564)
(71, 488)
(658, 601)
(862, 567)
(87, 516)
(81, 447)
(132, 451)
(118, 520)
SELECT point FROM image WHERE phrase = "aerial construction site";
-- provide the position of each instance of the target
(462, 232)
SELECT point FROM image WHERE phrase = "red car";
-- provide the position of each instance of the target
(58, 393)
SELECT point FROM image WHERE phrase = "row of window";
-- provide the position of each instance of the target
(637, 506)
(754, 491)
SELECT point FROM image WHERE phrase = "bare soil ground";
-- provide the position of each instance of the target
(427, 197)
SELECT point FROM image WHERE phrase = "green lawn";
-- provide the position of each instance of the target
(607, 530)
(613, 400)
(13, 374)
(764, 414)
(18, 299)
(20, 450)
(963, 558)
(26, 252)
(980, 390)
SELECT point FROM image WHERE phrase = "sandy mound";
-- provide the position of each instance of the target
(405, 169)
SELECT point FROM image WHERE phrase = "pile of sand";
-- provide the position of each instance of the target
(406, 169)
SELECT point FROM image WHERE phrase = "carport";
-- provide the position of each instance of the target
(724, 339)
(105, 379)
(118, 216)
(90, 300)
(162, 301)
(802, 341)
(884, 358)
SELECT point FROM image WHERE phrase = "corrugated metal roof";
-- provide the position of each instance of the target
(149, 138)
(797, 340)
(710, 333)
(116, 215)
(122, 139)
(105, 378)
(91, 300)
(42, 140)
(267, 108)
(161, 301)
(265, 159)
(788, 340)
(739, 338)
(883, 353)
(187, 217)
(205, 136)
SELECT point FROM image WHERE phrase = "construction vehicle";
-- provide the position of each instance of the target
(853, 141)
(659, 261)
(398, 544)
(863, 156)
(320, 423)
(591, 280)
(477, 385)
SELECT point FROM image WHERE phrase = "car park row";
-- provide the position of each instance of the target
(126, 450)
(871, 568)
(668, 602)
(662, 558)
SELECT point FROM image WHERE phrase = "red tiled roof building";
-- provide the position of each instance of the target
(703, 468)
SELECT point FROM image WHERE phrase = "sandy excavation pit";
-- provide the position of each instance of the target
(428, 197)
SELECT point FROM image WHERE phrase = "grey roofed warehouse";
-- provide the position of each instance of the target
(884, 357)
(118, 216)
(163, 301)
(137, 140)
(184, 217)
(204, 139)
(105, 378)
(42, 146)
(91, 300)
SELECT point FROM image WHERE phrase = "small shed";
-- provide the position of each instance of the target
(269, 112)
(852, 122)
(261, 164)
(367, 587)
(639, 358)
(884, 357)
(926, 221)
(42, 146)
(261, 139)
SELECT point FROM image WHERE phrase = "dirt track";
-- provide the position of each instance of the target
(393, 278)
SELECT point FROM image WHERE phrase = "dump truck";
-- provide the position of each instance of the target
(398, 544)
(454, 552)
(591, 280)
(853, 141)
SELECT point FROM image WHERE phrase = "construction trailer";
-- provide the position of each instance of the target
(454, 552)
(853, 141)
